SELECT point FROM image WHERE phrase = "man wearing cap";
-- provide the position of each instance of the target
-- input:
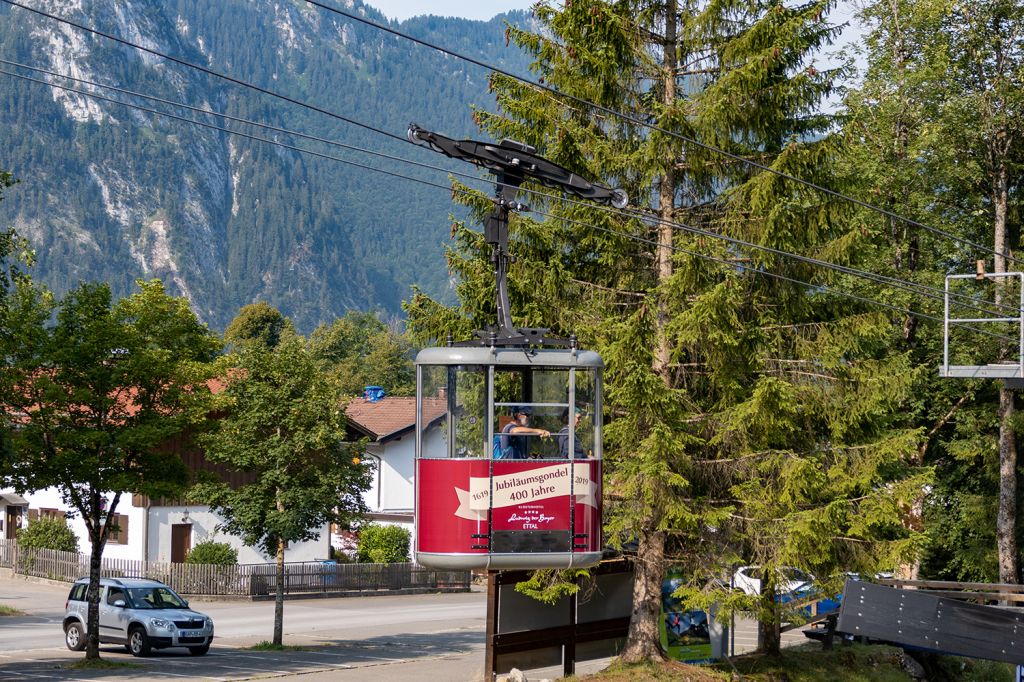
(563, 436)
(516, 432)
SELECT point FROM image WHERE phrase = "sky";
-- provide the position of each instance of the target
(469, 9)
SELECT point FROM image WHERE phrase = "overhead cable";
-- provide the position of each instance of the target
(911, 287)
(198, 67)
(654, 127)
(365, 126)
(447, 188)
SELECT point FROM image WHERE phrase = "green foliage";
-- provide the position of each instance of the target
(549, 585)
(257, 323)
(102, 386)
(380, 544)
(283, 424)
(212, 552)
(930, 131)
(242, 220)
(48, 533)
(750, 418)
(361, 351)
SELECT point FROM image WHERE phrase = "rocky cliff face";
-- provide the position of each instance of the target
(115, 193)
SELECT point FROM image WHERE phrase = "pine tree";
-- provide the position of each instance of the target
(749, 416)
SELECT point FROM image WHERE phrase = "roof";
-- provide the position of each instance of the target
(542, 357)
(13, 499)
(391, 416)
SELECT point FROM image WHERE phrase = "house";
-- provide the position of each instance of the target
(165, 530)
(389, 425)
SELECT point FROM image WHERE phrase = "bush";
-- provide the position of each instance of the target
(383, 544)
(210, 552)
(48, 533)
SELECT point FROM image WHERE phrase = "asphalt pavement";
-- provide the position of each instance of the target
(373, 639)
(440, 636)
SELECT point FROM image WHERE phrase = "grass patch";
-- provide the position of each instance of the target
(99, 664)
(809, 663)
(10, 611)
(667, 671)
(857, 663)
(270, 646)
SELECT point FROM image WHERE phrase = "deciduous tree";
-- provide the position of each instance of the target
(282, 422)
(95, 393)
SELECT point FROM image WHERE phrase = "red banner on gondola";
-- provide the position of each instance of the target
(457, 498)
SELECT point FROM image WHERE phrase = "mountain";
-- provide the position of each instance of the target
(114, 193)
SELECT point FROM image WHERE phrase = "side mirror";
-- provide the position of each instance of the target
(119, 602)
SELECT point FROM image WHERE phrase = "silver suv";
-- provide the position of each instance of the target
(140, 613)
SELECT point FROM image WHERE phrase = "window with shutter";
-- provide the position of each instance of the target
(119, 533)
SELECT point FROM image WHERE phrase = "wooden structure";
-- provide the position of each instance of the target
(591, 624)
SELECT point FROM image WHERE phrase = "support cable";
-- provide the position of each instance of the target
(483, 65)
(654, 127)
(862, 274)
(447, 188)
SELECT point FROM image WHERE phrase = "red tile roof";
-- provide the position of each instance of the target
(391, 416)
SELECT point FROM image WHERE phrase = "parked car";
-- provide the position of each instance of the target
(790, 580)
(139, 613)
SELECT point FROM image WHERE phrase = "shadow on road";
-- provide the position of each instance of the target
(229, 662)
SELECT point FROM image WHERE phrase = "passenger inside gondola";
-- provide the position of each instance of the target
(514, 442)
(579, 452)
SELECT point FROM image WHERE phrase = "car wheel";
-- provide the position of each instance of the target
(199, 650)
(138, 642)
(74, 636)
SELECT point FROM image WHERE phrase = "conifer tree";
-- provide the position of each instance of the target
(749, 415)
(935, 131)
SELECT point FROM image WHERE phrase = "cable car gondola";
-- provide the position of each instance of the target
(508, 425)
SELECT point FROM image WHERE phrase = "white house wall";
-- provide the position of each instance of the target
(50, 498)
(393, 487)
(158, 538)
(204, 527)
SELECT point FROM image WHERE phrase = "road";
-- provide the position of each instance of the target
(357, 638)
(373, 639)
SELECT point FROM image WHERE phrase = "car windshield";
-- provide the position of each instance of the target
(794, 575)
(155, 598)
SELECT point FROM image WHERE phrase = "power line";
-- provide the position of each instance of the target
(211, 72)
(393, 136)
(654, 127)
(228, 117)
(819, 287)
(911, 287)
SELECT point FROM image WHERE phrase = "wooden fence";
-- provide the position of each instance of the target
(980, 593)
(241, 580)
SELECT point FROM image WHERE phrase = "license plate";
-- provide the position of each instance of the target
(192, 633)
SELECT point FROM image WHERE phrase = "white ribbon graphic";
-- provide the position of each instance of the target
(525, 487)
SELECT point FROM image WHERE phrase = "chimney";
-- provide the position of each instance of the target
(373, 394)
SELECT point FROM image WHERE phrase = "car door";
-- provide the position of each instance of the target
(113, 617)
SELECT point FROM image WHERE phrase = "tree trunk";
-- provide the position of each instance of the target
(643, 642)
(92, 626)
(1006, 518)
(279, 594)
(769, 634)
(644, 639)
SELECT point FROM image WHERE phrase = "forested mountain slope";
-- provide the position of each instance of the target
(113, 193)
